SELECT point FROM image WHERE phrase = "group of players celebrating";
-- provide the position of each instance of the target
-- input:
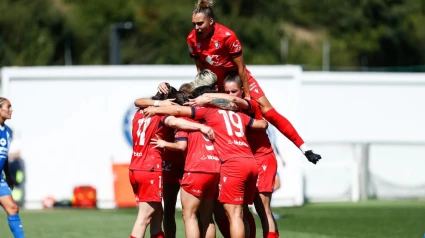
(209, 139)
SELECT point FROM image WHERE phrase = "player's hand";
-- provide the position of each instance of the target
(312, 157)
(162, 88)
(199, 101)
(149, 111)
(167, 102)
(206, 130)
(10, 182)
(158, 142)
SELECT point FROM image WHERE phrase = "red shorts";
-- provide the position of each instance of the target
(147, 186)
(201, 184)
(267, 167)
(172, 173)
(255, 90)
(237, 181)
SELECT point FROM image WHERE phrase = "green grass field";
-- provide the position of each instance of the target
(372, 219)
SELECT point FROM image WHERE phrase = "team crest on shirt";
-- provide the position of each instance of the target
(217, 44)
(199, 45)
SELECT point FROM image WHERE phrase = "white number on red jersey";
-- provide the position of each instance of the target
(208, 145)
(233, 123)
(141, 132)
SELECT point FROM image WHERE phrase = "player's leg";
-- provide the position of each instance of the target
(190, 205)
(233, 184)
(205, 211)
(249, 222)
(235, 214)
(156, 223)
(171, 191)
(221, 219)
(147, 187)
(207, 205)
(12, 209)
(144, 217)
(267, 168)
(249, 194)
(272, 116)
(262, 205)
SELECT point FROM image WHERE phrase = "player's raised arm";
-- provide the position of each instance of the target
(239, 62)
(182, 124)
(241, 103)
(147, 102)
(178, 111)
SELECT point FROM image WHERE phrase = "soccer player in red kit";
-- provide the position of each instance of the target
(145, 170)
(200, 180)
(217, 48)
(261, 148)
(237, 183)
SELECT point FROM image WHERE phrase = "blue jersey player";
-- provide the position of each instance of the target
(6, 183)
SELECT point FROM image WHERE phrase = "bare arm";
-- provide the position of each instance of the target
(239, 62)
(182, 124)
(259, 125)
(199, 64)
(241, 103)
(179, 111)
(175, 146)
(224, 104)
(216, 102)
(146, 102)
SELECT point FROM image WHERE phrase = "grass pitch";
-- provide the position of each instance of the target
(372, 219)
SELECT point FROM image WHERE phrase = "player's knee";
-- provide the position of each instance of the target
(188, 214)
(12, 209)
(144, 221)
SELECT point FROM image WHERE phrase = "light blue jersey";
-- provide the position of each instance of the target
(5, 139)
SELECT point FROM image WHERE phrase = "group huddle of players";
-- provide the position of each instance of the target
(207, 140)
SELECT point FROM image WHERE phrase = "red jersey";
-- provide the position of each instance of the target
(144, 156)
(229, 128)
(201, 155)
(216, 51)
(258, 140)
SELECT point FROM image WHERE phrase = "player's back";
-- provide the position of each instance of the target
(258, 140)
(145, 157)
(5, 139)
(201, 155)
(230, 131)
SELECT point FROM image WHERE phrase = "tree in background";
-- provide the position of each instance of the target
(361, 33)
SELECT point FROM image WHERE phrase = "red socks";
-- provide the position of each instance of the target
(251, 222)
(272, 235)
(284, 126)
(158, 235)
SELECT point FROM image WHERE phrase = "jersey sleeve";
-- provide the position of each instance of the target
(191, 45)
(246, 120)
(234, 46)
(180, 136)
(198, 112)
(162, 120)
